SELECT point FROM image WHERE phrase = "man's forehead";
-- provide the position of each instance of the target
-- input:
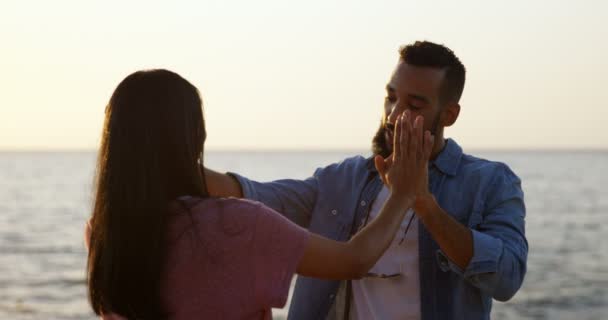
(408, 77)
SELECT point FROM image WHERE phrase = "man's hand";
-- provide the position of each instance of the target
(405, 172)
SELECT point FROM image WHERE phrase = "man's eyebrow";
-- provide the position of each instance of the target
(418, 97)
(423, 99)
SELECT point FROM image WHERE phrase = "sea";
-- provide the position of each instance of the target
(46, 197)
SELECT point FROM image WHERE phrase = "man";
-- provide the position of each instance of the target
(462, 246)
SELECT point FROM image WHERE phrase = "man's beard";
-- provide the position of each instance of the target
(380, 145)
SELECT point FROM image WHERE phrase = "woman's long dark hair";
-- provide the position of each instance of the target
(151, 153)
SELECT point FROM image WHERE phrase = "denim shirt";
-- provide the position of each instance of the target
(485, 196)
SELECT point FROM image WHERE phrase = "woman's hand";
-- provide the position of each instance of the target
(405, 174)
(405, 171)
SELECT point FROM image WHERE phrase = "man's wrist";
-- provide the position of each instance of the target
(402, 201)
(424, 203)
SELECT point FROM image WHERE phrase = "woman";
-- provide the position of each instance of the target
(161, 247)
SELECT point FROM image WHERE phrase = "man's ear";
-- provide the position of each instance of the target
(450, 114)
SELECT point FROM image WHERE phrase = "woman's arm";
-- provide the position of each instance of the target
(329, 259)
(403, 173)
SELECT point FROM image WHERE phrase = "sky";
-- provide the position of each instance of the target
(305, 74)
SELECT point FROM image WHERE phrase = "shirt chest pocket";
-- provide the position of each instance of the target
(470, 216)
(476, 217)
(329, 221)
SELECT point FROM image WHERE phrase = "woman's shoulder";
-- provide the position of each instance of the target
(231, 216)
(228, 206)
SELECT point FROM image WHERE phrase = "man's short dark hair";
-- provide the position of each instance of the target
(429, 54)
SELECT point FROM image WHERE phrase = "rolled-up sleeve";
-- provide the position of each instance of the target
(295, 199)
(500, 248)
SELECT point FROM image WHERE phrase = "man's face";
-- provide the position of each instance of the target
(410, 88)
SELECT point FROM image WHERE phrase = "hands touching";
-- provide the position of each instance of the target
(405, 171)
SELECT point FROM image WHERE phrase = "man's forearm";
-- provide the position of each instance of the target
(454, 239)
(221, 184)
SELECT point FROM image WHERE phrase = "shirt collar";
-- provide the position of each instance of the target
(448, 160)
(371, 166)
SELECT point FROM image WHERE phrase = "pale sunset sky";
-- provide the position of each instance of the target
(305, 74)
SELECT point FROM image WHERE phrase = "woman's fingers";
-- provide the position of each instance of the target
(429, 141)
(420, 149)
(416, 139)
(397, 139)
(406, 135)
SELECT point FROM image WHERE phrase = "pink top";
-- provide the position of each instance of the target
(228, 259)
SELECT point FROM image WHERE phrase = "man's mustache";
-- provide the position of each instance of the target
(380, 145)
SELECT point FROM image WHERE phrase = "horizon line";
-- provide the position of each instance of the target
(320, 149)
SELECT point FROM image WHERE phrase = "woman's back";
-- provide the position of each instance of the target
(228, 259)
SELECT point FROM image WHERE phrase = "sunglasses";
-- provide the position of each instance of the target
(382, 275)
(391, 275)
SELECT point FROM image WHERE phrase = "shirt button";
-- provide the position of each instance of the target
(334, 212)
(443, 262)
(363, 203)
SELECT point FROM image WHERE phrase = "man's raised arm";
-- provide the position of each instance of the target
(222, 185)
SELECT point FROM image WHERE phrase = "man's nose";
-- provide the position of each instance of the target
(395, 111)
